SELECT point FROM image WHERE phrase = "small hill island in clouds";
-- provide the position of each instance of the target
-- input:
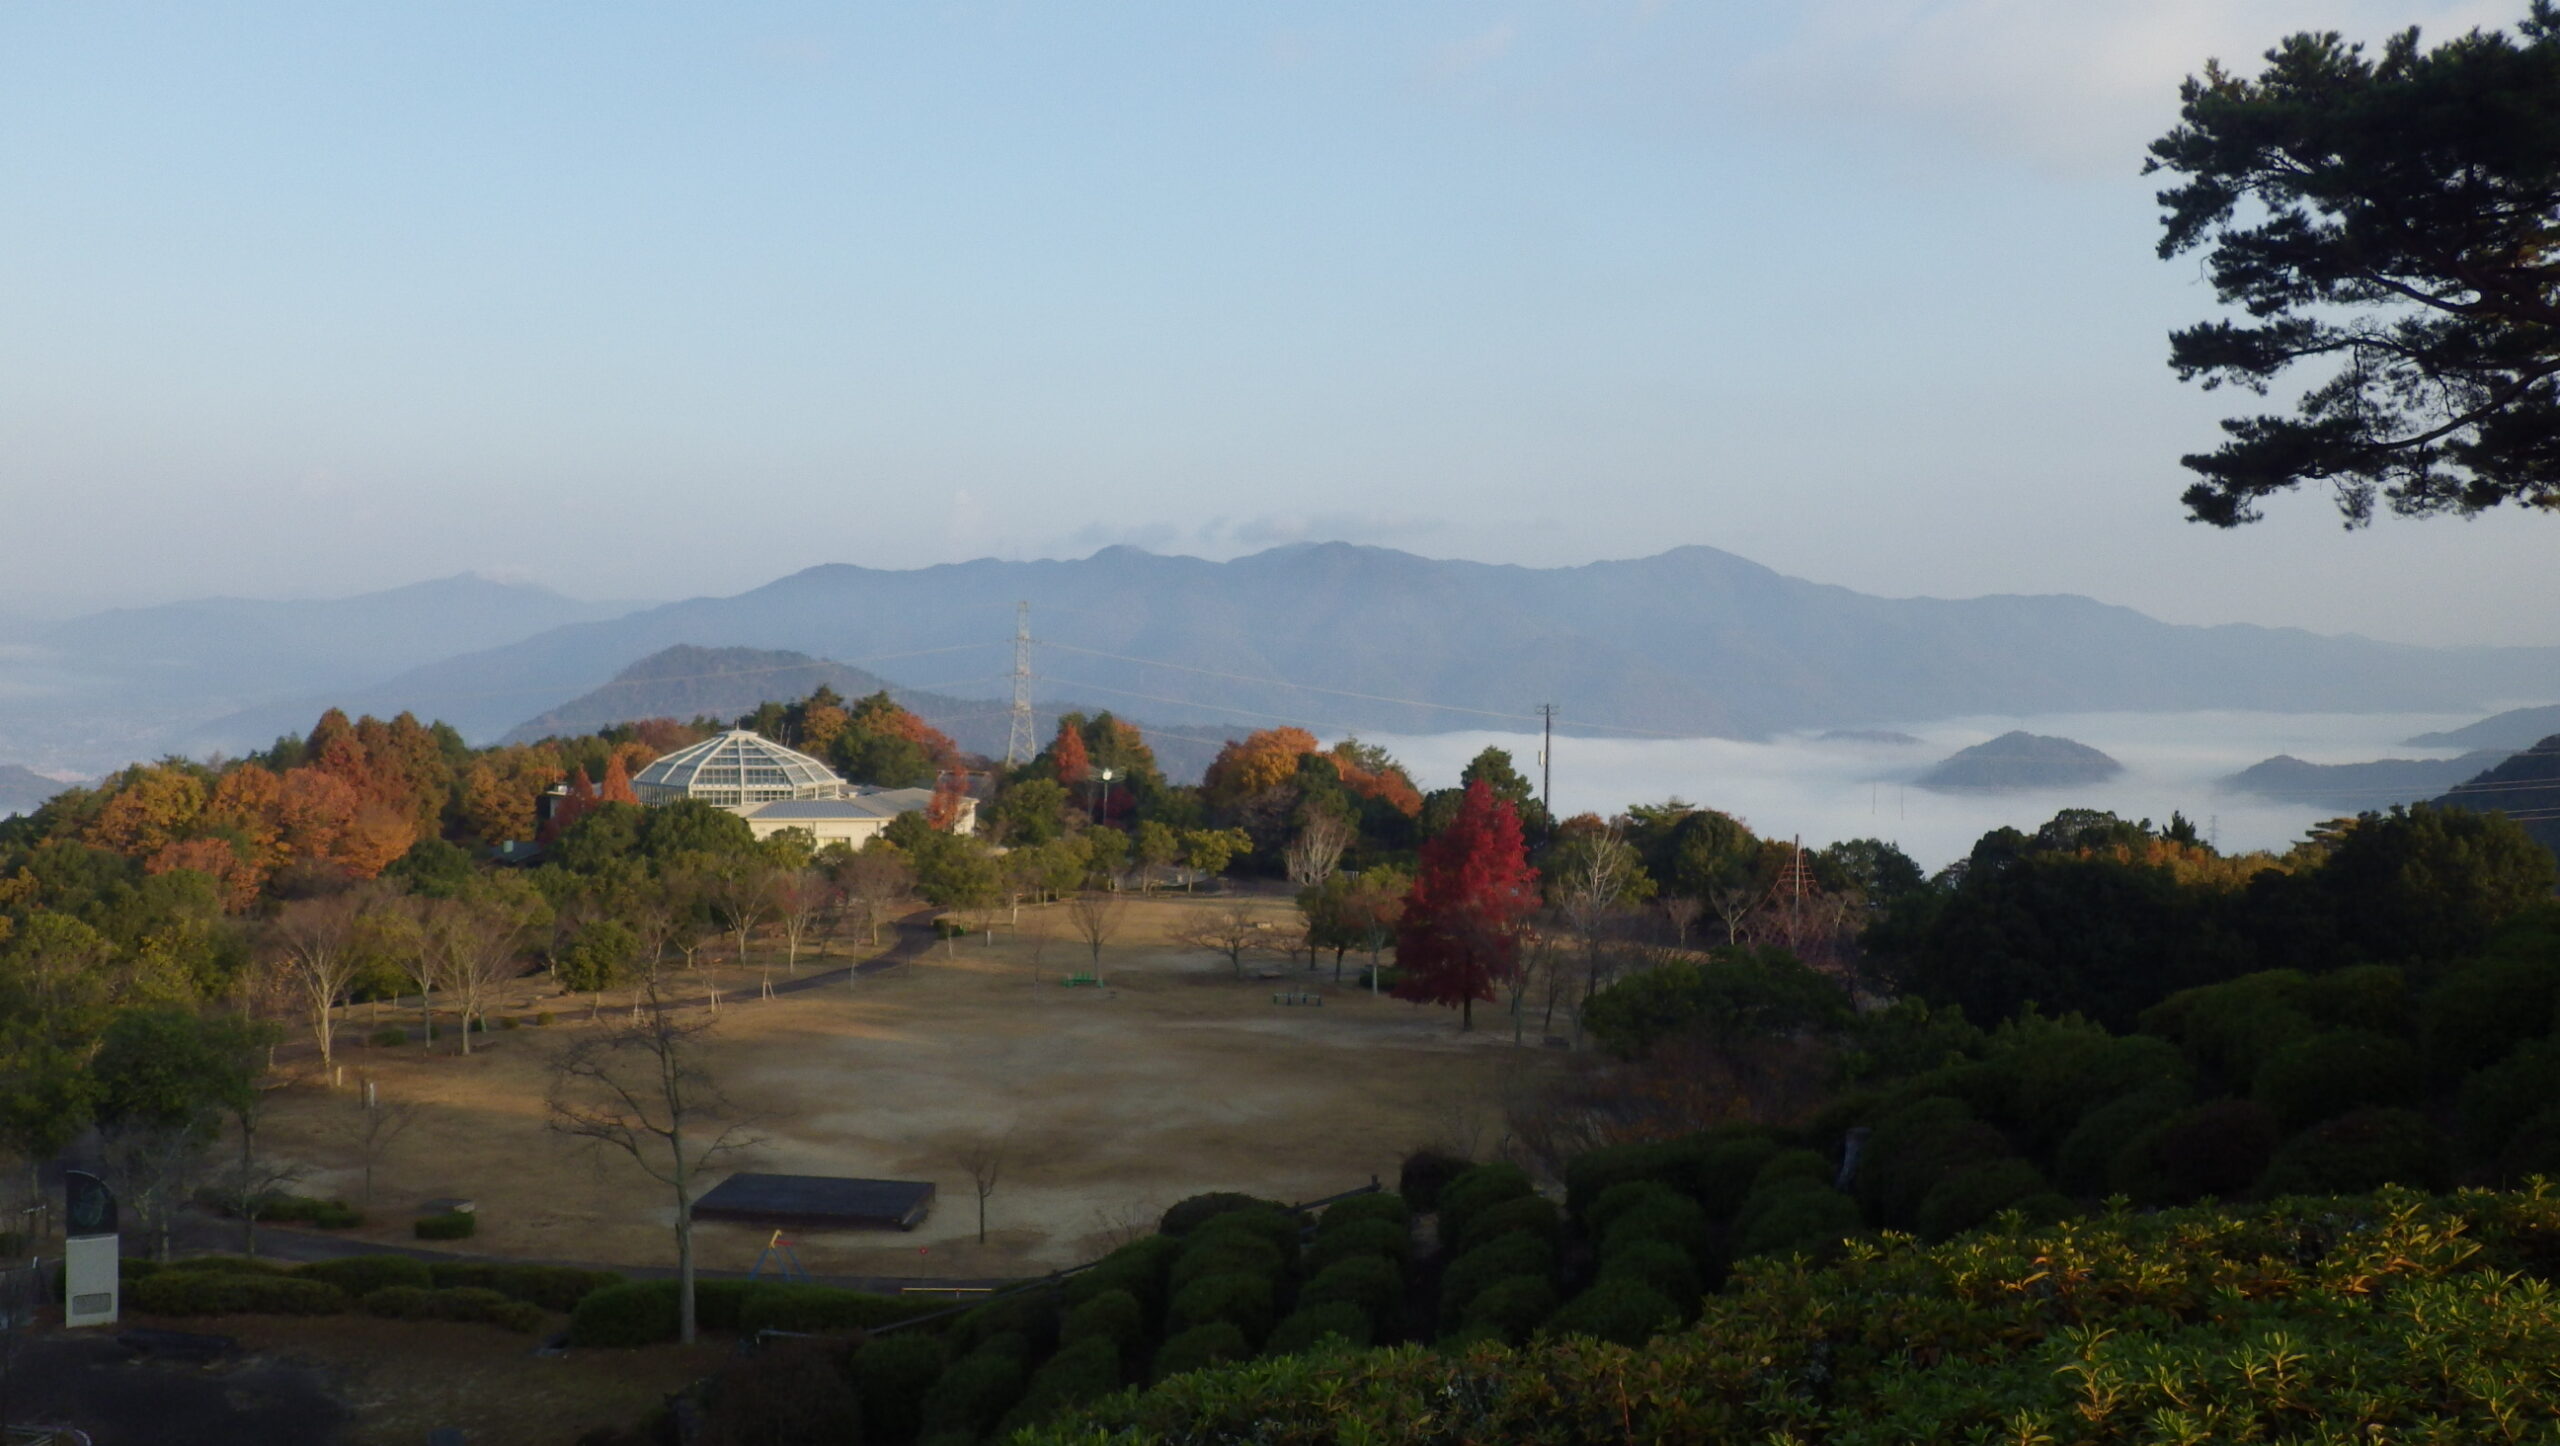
(2359, 786)
(2020, 760)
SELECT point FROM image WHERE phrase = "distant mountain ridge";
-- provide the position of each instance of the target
(2020, 760)
(23, 790)
(1340, 638)
(2509, 732)
(2357, 787)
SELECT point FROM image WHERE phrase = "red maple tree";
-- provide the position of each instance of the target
(1460, 932)
(1069, 756)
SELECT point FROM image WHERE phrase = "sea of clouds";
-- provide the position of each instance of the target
(1827, 790)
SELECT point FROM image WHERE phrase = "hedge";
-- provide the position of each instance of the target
(1242, 1301)
(2218, 1149)
(1497, 1260)
(1115, 1316)
(2326, 1075)
(1478, 1189)
(1424, 1175)
(362, 1275)
(1230, 1255)
(1674, 1219)
(644, 1312)
(1530, 1214)
(451, 1225)
(413, 1302)
(1384, 1239)
(2082, 1162)
(1084, 1371)
(1617, 1308)
(1514, 1307)
(1199, 1348)
(231, 1265)
(1139, 1267)
(1799, 1218)
(1028, 1316)
(891, 1375)
(974, 1394)
(1617, 1200)
(1807, 1165)
(1278, 1229)
(1661, 1266)
(227, 1292)
(817, 1309)
(1188, 1215)
(1310, 1326)
(552, 1287)
(1374, 1285)
(1593, 1173)
(283, 1209)
(2357, 1152)
(1970, 1197)
(1359, 1209)
(1914, 1148)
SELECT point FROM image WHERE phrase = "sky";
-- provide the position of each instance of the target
(654, 300)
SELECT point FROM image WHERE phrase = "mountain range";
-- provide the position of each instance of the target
(1334, 637)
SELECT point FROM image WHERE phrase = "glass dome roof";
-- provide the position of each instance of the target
(734, 770)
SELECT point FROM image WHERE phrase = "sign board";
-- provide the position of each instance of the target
(89, 1265)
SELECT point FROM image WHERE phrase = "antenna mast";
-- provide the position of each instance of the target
(1019, 745)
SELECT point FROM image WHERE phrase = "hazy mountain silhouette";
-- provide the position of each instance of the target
(22, 790)
(2356, 787)
(1690, 642)
(2019, 759)
(2509, 732)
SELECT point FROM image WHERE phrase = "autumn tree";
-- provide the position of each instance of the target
(315, 952)
(1459, 935)
(1096, 917)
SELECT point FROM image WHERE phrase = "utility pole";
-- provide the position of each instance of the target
(1019, 745)
(1547, 762)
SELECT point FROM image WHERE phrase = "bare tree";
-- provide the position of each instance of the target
(1682, 910)
(641, 1089)
(253, 1179)
(1317, 850)
(1096, 917)
(371, 1132)
(1539, 961)
(152, 1165)
(404, 934)
(983, 1157)
(316, 956)
(1735, 901)
(1594, 881)
(1232, 932)
(747, 890)
(881, 886)
(801, 902)
(481, 941)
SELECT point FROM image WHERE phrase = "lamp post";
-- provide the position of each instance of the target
(1108, 774)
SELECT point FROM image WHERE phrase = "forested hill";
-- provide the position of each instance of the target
(2526, 788)
(686, 682)
(1693, 641)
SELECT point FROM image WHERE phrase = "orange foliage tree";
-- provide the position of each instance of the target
(1256, 764)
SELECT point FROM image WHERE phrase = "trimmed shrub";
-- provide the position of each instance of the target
(2217, 1149)
(891, 1376)
(1617, 1200)
(1376, 1286)
(974, 1394)
(413, 1302)
(2357, 1152)
(451, 1225)
(228, 1292)
(1234, 1256)
(2533, 1150)
(1498, 1260)
(1722, 1170)
(1592, 1174)
(1310, 1326)
(231, 1265)
(305, 1210)
(1530, 1213)
(1242, 1301)
(716, 1303)
(1139, 1267)
(1424, 1175)
(1673, 1219)
(2361, 996)
(1114, 1316)
(1084, 1371)
(635, 1313)
(1385, 1239)
(1188, 1215)
(1377, 1205)
(1200, 1348)
(1617, 1308)
(818, 1309)
(2229, 1029)
(1973, 1195)
(1278, 1229)
(552, 1287)
(1798, 1217)
(2081, 1164)
(362, 1275)
(1030, 1316)
(2057, 1071)
(1512, 1308)
(2479, 1013)
(2326, 1075)
(790, 1391)
(1662, 1267)
(1913, 1149)
(2496, 1102)
(1807, 1165)
(1481, 1188)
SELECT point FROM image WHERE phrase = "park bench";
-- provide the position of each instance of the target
(1086, 980)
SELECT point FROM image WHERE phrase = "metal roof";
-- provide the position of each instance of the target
(736, 769)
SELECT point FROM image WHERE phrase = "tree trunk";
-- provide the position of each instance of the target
(427, 1015)
(1466, 1014)
(248, 1206)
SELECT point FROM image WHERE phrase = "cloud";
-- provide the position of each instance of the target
(2079, 87)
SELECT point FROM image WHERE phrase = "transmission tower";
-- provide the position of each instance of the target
(1019, 745)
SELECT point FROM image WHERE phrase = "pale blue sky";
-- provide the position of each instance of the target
(652, 300)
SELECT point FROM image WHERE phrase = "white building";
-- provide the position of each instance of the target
(775, 788)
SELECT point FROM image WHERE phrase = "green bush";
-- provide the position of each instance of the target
(552, 1287)
(1114, 1315)
(1497, 1260)
(414, 1302)
(2218, 1149)
(1661, 1266)
(2496, 1102)
(789, 1391)
(1673, 1164)
(1188, 1215)
(1081, 1372)
(891, 1375)
(2533, 1150)
(227, 1292)
(1673, 1219)
(388, 1038)
(1139, 1267)
(2323, 1076)
(1530, 1213)
(1807, 1165)
(635, 1313)
(1242, 1301)
(2058, 1070)
(362, 1275)
(1310, 1326)
(1384, 1239)
(1622, 1309)
(974, 1394)
(2229, 1029)
(1031, 1316)
(1973, 1195)
(282, 1209)
(1375, 1285)
(1360, 1209)
(1618, 1199)
(1912, 1150)
(1725, 1165)
(2081, 1164)
(1278, 1229)
(2361, 996)
(2358, 1152)
(231, 1265)
(819, 1309)
(1424, 1175)
(1478, 1189)
(1230, 1256)
(1200, 1348)
(1513, 1307)
(1798, 1217)
(2482, 1011)
(451, 1225)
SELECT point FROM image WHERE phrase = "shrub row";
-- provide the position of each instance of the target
(464, 1303)
(644, 1312)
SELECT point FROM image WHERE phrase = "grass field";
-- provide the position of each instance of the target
(1175, 1078)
